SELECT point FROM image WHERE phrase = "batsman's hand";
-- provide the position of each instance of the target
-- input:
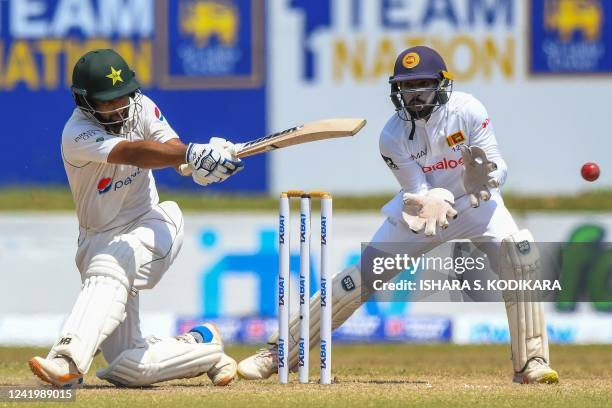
(428, 211)
(212, 162)
(477, 179)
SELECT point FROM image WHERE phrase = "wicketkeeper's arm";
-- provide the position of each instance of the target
(483, 136)
(406, 170)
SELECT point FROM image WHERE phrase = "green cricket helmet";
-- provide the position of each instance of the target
(103, 75)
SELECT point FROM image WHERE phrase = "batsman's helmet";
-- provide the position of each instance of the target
(103, 75)
(419, 63)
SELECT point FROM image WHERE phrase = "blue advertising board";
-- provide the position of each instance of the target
(201, 61)
(570, 37)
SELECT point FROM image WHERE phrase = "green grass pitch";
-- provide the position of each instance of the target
(365, 375)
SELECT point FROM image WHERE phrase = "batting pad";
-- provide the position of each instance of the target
(519, 260)
(161, 360)
(346, 298)
(100, 307)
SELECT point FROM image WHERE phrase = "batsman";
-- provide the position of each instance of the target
(127, 238)
(440, 145)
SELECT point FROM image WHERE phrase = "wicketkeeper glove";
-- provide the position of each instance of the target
(476, 174)
(428, 211)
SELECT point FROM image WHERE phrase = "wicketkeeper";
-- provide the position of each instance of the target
(127, 238)
(441, 148)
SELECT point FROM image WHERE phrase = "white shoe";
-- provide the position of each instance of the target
(537, 371)
(59, 371)
(261, 365)
(224, 372)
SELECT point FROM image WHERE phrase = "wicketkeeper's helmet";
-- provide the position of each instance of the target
(419, 63)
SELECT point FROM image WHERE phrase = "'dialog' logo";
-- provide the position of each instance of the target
(569, 36)
(209, 41)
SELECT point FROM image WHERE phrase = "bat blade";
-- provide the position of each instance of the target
(309, 132)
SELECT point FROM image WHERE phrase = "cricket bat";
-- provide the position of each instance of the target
(308, 132)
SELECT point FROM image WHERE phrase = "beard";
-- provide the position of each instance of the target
(417, 110)
(421, 105)
(115, 121)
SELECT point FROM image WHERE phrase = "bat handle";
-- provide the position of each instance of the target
(184, 170)
(238, 148)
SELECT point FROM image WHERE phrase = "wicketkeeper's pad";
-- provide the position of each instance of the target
(519, 260)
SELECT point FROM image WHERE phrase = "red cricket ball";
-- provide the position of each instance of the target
(590, 171)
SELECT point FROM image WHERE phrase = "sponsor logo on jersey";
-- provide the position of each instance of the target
(390, 163)
(104, 185)
(158, 114)
(444, 164)
(455, 139)
(486, 123)
(86, 135)
(420, 154)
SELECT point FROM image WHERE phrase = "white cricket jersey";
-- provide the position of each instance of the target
(433, 158)
(110, 195)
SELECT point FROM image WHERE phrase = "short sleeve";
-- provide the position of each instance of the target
(157, 126)
(89, 145)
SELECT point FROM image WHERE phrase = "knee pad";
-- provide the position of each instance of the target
(161, 360)
(120, 259)
(100, 307)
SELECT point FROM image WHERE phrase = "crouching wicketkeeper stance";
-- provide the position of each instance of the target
(127, 238)
(441, 147)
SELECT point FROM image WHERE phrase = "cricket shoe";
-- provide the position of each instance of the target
(260, 365)
(59, 371)
(224, 372)
(537, 371)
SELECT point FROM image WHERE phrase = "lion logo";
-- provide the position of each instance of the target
(570, 16)
(203, 19)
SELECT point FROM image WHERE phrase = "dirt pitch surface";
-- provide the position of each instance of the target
(365, 375)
